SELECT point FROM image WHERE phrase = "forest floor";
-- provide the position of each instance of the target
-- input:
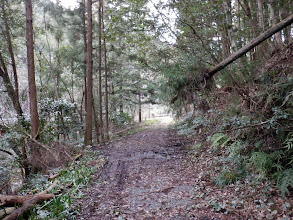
(152, 175)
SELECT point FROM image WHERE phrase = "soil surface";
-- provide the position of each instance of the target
(147, 177)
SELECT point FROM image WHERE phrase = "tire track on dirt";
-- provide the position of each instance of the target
(146, 177)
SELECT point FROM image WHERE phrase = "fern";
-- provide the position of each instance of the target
(227, 177)
(289, 142)
(285, 181)
(236, 148)
(219, 139)
(262, 162)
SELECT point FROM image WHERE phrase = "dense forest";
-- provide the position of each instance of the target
(72, 79)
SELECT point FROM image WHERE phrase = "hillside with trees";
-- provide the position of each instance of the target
(85, 91)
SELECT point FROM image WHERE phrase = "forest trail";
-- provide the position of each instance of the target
(147, 177)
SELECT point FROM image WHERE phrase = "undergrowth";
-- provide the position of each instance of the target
(70, 188)
(258, 141)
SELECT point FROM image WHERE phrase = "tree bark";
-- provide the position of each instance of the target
(288, 30)
(9, 87)
(7, 200)
(120, 95)
(259, 51)
(139, 107)
(106, 80)
(97, 126)
(273, 17)
(54, 77)
(31, 70)
(13, 63)
(227, 6)
(27, 205)
(100, 73)
(85, 53)
(88, 122)
(260, 16)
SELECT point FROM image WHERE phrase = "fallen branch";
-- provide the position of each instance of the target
(6, 200)
(28, 202)
(124, 130)
(77, 157)
(54, 176)
(256, 41)
(28, 205)
(42, 145)
(49, 189)
(6, 211)
(242, 127)
(6, 151)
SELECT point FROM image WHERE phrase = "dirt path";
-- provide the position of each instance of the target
(147, 177)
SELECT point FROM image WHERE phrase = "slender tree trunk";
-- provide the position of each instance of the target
(58, 70)
(259, 51)
(72, 82)
(139, 107)
(260, 16)
(13, 63)
(288, 30)
(9, 87)
(50, 58)
(120, 95)
(228, 11)
(225, 42)
(273, 17)
(97, 126)
(88, 122)
(100, 73)
(85, 52)
(106, 79)
(31, 71)
(113, 105)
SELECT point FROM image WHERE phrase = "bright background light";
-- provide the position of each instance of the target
(68, 3)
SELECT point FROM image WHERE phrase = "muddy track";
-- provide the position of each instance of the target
(147, 177)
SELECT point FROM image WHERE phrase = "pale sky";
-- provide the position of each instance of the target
(68, 3)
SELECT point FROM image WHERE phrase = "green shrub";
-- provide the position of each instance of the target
(121, 119)
(219, 140)
(227, 177)
(285, 181)
(266, 163)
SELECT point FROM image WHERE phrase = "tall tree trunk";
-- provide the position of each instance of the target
(260, 51)
(9, 87)
(273, 17)
(85, 54)
(288, 30)
(97, 126)
(72, 82)
(31, 70)
(13, 63)
(225, 42)
(50, 58)
(139, 107)
(88, 121)
(260, 15)
(100, 73)
(227, 6)
(106, 79)
(120, 95)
